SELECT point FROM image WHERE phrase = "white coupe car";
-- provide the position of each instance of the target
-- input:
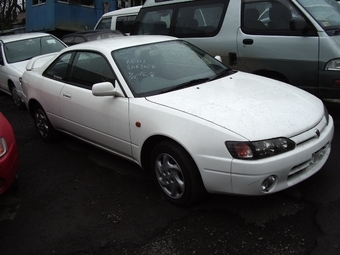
(15, 52)
(172, 108)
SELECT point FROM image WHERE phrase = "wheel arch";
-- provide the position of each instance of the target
(150, 143)
(194, 188)
(31, 106)
(147, 148)
(10, 85)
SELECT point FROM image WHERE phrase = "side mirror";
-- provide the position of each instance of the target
(2, 62)
(105, 89)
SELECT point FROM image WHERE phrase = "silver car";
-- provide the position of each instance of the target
(295, 41)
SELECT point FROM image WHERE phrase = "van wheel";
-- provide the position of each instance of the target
(176, 174)
(43, 125)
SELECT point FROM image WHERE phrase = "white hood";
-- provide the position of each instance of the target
(252, 106)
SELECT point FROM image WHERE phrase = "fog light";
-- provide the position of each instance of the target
(268, 183)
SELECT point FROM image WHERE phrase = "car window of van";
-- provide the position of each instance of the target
(274, 18)
(125, 23)
(104, 23)
(199, 20)
(188, 19)
(155, 22)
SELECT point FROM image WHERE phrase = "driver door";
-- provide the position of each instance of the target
(103, 121)
(275, 38)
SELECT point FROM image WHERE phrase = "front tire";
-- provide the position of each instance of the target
(43, 125)
(176, 174)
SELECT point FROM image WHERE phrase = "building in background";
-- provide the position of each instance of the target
(60, 17)
(129, 3)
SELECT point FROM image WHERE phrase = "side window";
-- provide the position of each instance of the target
(273, 18)
(125, 23)
(68, 40)
(89, 68)
(36, 2)
(58, 69)
(199, 20)
(104, 23)
(155, 22)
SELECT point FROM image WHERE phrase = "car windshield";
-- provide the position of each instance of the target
(162, 67)
(326, 12)
(26, 49)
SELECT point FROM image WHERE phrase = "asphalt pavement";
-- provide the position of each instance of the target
(75, 199)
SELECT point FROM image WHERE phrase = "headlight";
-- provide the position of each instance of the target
(260, 149)
(3, 147)
(333, 65)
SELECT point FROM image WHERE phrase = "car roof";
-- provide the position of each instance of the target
(162, 2)
(23, 36)
(110, 44)
(94, 32)
(127, 10)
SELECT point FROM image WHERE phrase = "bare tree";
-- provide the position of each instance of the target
(9, 10)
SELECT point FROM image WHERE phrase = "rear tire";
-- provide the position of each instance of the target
(176, 174)
(43, 125)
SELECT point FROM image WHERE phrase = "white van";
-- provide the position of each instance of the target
(296, 41)
(121, 19)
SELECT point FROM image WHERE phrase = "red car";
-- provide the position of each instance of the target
(9, 160)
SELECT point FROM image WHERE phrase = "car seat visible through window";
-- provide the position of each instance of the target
(280, 17)
(251, 21)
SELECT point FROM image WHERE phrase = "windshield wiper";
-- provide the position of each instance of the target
(186, 85)
(335, 31)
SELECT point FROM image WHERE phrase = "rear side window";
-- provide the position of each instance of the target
(188, 19)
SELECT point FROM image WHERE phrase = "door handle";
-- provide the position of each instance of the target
(248, 41)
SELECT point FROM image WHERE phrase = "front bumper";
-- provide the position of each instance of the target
(290, 168)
